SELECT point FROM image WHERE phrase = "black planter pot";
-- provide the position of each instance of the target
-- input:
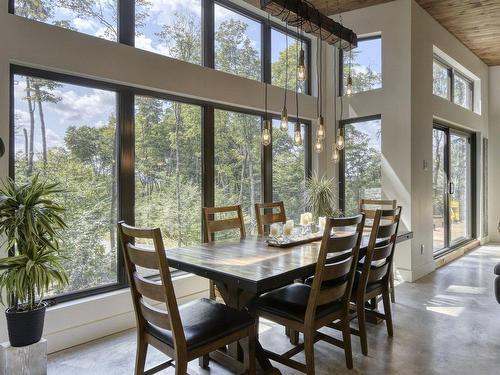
(26, 327)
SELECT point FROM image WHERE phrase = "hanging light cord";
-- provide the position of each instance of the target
(297, 80)
(286, 60)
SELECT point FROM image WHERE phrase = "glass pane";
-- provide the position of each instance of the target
(462, 92)
(238, 165)
(441, 80)
(279, 66)
(363, 162)
(97, 18)
(237, 44)
(289, 170)
(459, 190)
(168, 169)
(67, 133)
(439, 186)
(366, 66)
(171, 28)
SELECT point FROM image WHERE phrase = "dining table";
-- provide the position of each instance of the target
(244, 269)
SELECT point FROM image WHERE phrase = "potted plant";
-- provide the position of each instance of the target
(30, 222)
(320, 196)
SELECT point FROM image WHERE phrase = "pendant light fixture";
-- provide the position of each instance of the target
(320, 132)
(339, 142)
(284, 111)
(349, 76)
(301, 61)
(266, 130)
(297, 134)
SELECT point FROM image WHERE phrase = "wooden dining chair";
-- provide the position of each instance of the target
(307, 308)
(183, 332)
(214, 225)
(374, 278)
(369, 207)
(265, 215)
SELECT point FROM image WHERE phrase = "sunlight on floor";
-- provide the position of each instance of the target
(454, 311)
(466, 289)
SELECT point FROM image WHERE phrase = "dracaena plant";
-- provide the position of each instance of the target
(320, 196)
(30, 222)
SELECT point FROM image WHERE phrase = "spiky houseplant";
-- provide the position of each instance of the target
(320, 196)
(30, 222)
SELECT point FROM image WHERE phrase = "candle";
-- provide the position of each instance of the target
(288, 228)
(275, 230)
(322, 222)
(306, 218)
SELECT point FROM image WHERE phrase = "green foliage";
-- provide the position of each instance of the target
(320, 196)
(31, 222)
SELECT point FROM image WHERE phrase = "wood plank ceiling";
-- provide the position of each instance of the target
(476, 23)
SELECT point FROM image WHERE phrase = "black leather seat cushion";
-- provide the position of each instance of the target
(204, 321)
(290, 302)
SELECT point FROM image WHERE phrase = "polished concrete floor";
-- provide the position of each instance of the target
(446, 323)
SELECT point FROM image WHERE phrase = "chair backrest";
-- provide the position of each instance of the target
(214, 225)
(377, 263)
(157, 292)
(265, 215)
(333, 279)
(370, 206)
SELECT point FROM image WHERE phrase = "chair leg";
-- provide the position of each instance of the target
(387, 312)
(309, 352)
(181, 367)
(362, 328)
(294, 337)
(204, 361)
(391, 284)
(346, 336)
(250, 352)
(140, 356)
(212, 291)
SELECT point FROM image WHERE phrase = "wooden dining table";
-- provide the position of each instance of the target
(244, 269)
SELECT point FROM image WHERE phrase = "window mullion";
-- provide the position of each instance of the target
(208, 33)
(126, 22)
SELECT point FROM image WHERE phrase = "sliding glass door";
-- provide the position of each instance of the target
(451, 179)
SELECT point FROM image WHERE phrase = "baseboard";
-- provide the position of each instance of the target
(415, 274)
(457, 253)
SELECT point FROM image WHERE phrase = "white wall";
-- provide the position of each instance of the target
(494, 154)
(39, 45)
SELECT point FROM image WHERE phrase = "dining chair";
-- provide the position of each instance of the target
(307, 308)
(183, 332)
(214, 225)
(265, 215)
(369, 208)
(373, 280)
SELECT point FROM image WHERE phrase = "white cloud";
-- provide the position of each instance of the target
(145, 43)
(162, 10)
(84, 25)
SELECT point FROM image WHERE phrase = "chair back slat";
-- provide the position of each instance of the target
(161, 308)
(387, 230)
(154, 315)
(378, 273)
(265, 215)
(370, 206)
(332, 294)
(382, 252)
(333, 280)
(143, 257)
(214, 225)
(150, 289)
(377, 263)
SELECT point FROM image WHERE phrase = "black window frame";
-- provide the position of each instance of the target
(342, 166)
(126, 153)
(341, 61)
(452, 73)
(126, 33)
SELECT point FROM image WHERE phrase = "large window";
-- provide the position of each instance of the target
(238, 163)
(450, 84)
(289, 169)
(237, 43)
(284, 75)
(365, 65)
(170, 28)
(362, 163)
(67, 134)
(97, 18)
(168, 169)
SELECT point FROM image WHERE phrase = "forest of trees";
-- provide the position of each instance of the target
(167, 149)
